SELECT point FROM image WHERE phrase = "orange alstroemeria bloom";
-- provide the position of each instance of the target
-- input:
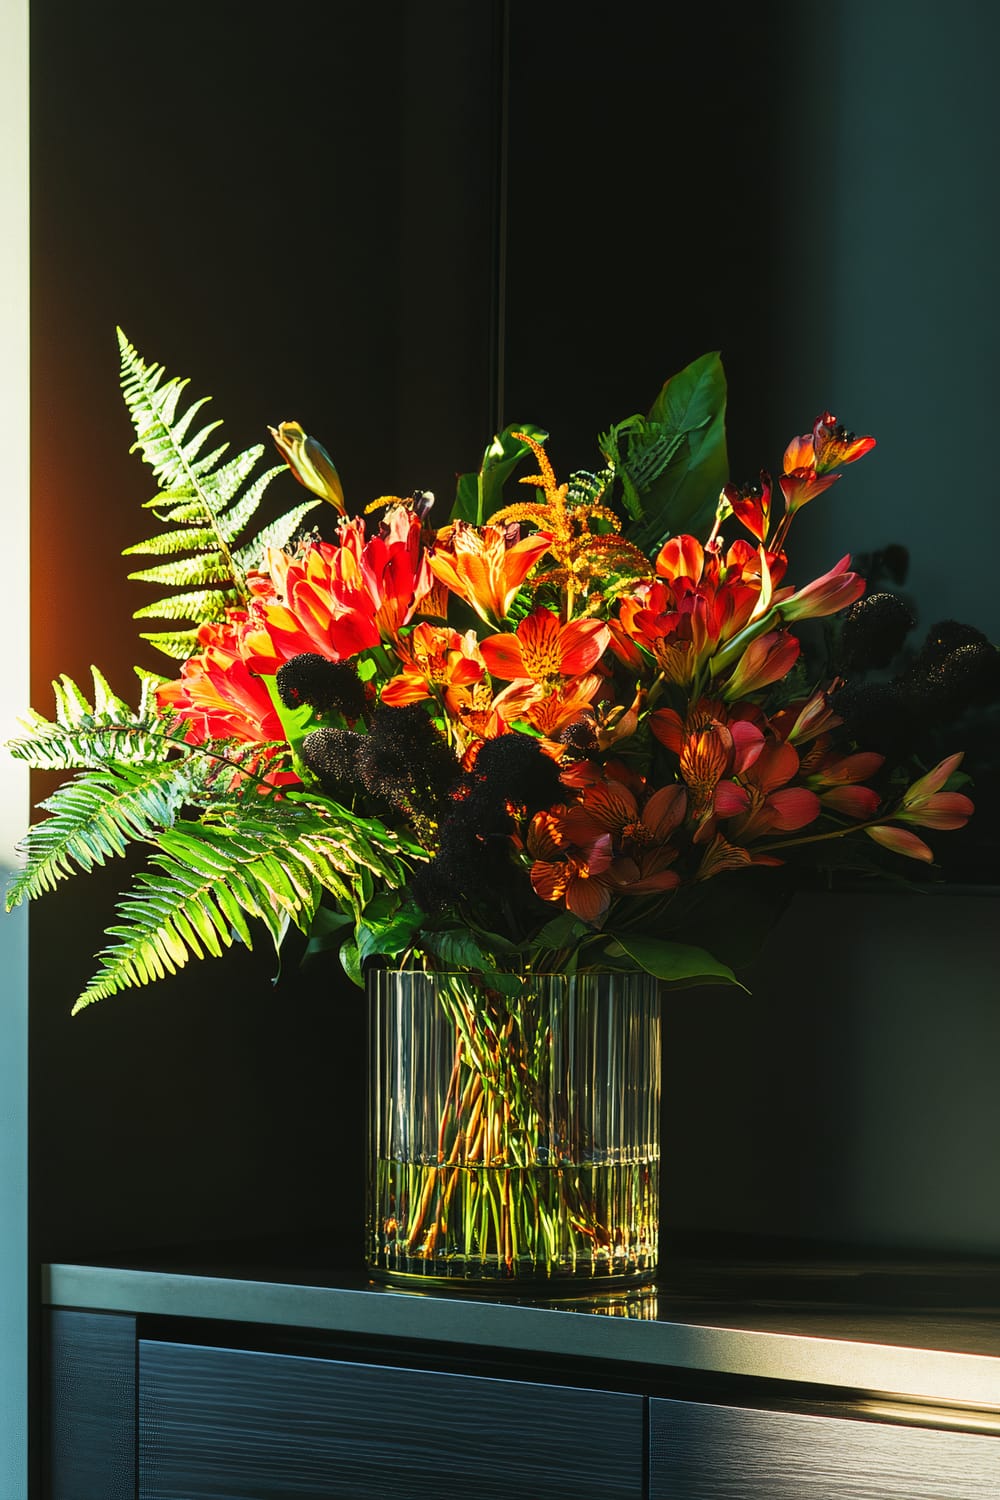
(640, 836)
(542, 650)
(577, 878)
(548, 712)
(435, 661)
(809, 459)
(486, 565)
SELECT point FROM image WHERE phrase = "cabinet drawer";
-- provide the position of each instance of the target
(722, 1453)
(233, 1423)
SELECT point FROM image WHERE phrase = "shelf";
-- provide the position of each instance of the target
(923, 1331)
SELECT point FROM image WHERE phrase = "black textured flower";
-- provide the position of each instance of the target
(873, 631)
(406, 761)
(327, 686)
(332, 756)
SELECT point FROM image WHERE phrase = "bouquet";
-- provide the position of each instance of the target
(533, 735)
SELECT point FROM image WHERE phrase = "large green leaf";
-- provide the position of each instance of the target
(478, 495)
(674, 461)
(676, 964)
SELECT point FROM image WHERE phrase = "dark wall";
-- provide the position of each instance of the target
(298, 211)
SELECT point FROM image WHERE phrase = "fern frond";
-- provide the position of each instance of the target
(181, 606)
(212, 881)
(205, 498)
(93, 818)
(180, 644)
(89, 735)
(182, 572)
(277, 535)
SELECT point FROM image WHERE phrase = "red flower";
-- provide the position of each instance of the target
(339, 600)
(220, 697)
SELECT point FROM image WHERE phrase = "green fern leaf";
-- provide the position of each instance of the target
(183, 606)
(208, 500)
(85, 735)
(93, 818)
(204, 567)
(180, 644)
(266, 864)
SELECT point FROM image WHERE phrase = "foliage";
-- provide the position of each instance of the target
(207, 503)
(554, 735)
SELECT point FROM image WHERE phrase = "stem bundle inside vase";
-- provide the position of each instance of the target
(514, 1135)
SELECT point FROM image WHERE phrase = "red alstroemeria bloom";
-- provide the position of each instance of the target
(542, 650)
(925, 804)
(486, 565)
(751, 505)
(339, 599)
(697, 603)
(767, 659)
(761, 801)
(826, 595)
(218, 694)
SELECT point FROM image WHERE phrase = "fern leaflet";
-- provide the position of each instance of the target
(206, 500)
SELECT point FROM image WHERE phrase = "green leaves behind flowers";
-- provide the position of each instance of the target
(480, 494)
(672, 963)
(673, 462)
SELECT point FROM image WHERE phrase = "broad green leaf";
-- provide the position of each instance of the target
(676, 460)
(478, 495)
(675, 963)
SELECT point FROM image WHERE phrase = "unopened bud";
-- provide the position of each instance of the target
(309, 462)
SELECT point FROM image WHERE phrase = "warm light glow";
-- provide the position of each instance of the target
(15, 446)
(14, 442)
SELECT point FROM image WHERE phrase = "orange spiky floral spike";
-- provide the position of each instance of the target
(584, 558)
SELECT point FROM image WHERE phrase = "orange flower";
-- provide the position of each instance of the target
(435, 661)
(577, 878)
(486, 566)
(809, 459)
(833, 445)
(542, 650)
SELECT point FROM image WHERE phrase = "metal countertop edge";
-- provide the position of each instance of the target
(970, 1380)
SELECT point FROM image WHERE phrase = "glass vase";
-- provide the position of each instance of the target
(514, 1137)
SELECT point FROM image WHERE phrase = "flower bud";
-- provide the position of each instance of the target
(309, 462)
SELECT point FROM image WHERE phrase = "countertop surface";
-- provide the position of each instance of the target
(912, 1330)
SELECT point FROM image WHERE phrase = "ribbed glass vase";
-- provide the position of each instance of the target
(514, 1137)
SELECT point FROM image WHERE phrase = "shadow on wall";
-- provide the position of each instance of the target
(852, 1097)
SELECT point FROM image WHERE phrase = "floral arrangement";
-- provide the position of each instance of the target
(534, 735)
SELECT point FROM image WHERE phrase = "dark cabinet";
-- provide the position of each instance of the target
(188, 1404)
(706, 1452)
(235, 1424)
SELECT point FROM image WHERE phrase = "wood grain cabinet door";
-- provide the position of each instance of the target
(723, 1453)
(242, 1425)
